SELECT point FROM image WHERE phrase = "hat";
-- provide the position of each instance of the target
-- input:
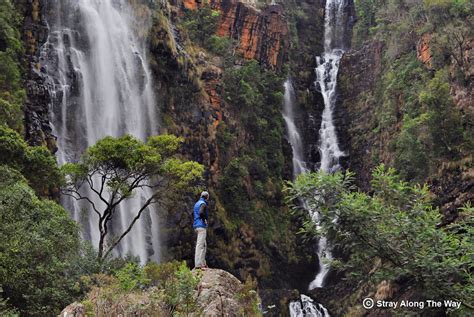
(205, 194)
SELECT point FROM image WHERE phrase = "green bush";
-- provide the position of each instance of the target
(219, 45)
(36, 163)
(411, 155)
(12, 94)
(177, 284)
(396, 225)
(201, 25)
(131, 277)
(40, 243)
(444, 120)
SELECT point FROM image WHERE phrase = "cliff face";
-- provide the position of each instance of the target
(358, 75)
(194, 105)
(261, 35)
(35, 33)
(368, 143)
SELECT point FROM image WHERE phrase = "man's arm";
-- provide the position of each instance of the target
(202, 212)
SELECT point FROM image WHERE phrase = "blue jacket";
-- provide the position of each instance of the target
(199, 221)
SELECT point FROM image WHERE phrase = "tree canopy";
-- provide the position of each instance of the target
(40, 243)
(115, 169)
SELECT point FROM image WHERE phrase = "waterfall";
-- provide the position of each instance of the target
(294, 137)
(326, 81)
(306, 307)
(100, 85)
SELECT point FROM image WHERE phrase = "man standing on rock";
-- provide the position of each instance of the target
(200, 226)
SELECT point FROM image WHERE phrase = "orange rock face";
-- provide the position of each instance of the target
(190, 4)
(261, 34)
(423, 51)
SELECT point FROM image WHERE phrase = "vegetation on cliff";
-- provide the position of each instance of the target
(419, 117)
(228, 109)
(12, 92)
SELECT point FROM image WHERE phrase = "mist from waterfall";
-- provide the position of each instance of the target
(101, 86)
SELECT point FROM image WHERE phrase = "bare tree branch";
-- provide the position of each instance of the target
(145, 206)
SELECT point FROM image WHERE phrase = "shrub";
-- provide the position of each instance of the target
(395, 225)
(37, 164)
(177, 286)
(39, 244)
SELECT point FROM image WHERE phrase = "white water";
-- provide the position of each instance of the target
(101, 86)
(294, 137)
(326, 79)
(306, 307)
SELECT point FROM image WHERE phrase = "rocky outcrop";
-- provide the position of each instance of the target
(423, 50)
(218, 293)
(35, 32)
(261, 34)
(74, 310)
(358, 75)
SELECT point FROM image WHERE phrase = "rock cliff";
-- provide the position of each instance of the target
(35, 33)
(368, 143)
(261, 34)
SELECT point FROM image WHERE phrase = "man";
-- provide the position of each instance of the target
(200, 226)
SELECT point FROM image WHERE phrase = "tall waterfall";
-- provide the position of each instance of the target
(326, 80)
(101, 86)
(305, 307)
(294, 137)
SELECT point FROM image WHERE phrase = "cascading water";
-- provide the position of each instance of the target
(100, 86)
(330, 153)
(305, 307)
(294, 137)
(326, 80)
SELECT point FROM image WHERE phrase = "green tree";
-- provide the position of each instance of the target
(40, 245)
(12, 94)
(36, 163)
(445, 121)
(395, 225)
(114, 169)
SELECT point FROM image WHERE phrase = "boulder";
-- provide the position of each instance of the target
(217, 293)
(74, 310)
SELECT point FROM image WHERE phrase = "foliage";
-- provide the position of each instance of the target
(177, 283)
(37, 164)
(114, 169)
(130, 277)
(201, 25)
(12, 94)
(396, 225)
(444, 120)
(168, 290)
(248, 298)
(410, 153)
(39, 244)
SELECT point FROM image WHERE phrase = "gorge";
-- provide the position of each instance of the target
(337, 92)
